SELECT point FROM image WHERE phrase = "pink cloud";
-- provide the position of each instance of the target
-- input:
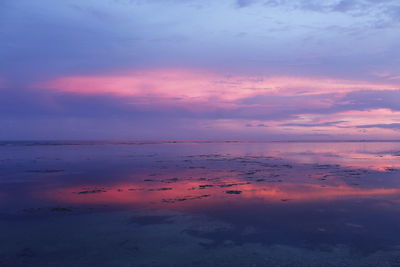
(195, 85)
(205, 91)
(345, 122)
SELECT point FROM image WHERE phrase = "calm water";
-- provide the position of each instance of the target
(199, 204)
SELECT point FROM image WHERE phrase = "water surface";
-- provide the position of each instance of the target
(126, 203)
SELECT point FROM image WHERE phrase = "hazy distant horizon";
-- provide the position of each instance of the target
(202, 141)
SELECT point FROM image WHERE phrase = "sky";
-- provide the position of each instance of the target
(200, 69)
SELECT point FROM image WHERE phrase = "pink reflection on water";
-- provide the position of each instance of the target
(267, 173)
(212, 189)
(379, 156)
(313, 192)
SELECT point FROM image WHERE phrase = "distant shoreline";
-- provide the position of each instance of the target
(158, 142)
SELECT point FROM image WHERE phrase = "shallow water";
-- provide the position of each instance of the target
(199, 204)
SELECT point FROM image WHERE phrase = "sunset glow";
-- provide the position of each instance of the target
(199, 133)
(214, 71)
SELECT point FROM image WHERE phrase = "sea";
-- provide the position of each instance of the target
(199, 203)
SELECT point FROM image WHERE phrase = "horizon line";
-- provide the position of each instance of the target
(205, 141)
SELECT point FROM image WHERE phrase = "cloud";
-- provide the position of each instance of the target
(334, 6)
(323, 124)
(244, 3)
(186, 83)
(369, 99)
(345, 5)
(103, 36)
(205, 94)
(384, 126)
(256, 125)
